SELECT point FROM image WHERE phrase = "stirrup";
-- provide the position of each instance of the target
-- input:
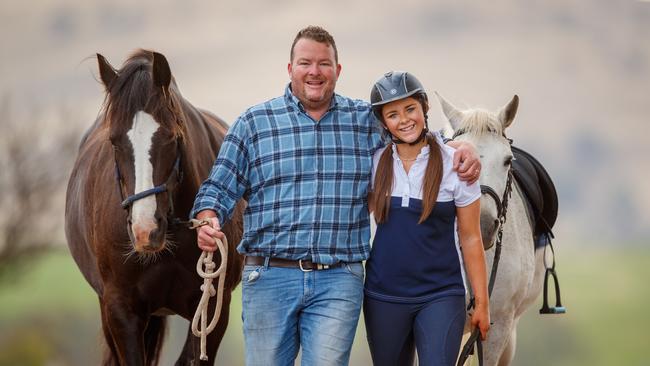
(558, 308)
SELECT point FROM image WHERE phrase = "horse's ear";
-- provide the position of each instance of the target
(452, 113)
(106, 72)
(162, 75)
(507, 113)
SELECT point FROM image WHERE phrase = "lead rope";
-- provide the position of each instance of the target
(207, 288)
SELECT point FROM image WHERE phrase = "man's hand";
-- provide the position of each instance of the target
(205, 234)
(466, 161)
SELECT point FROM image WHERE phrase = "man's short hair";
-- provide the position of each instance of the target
(318, 34)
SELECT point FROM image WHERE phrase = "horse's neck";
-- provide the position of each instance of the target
(518, 221)
(198, 147)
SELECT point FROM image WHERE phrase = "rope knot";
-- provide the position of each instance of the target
(209, 266)
(211, 289)
(208, 290)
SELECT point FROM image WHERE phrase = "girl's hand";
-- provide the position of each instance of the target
(481, 319)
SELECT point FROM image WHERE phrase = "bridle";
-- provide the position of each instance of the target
(175, 177)
(502, 210)
(501, 202)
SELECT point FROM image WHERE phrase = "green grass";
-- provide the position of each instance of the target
(51, 282)
(50, 314)
(606, 293)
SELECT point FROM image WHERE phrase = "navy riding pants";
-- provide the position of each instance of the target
(396, 330)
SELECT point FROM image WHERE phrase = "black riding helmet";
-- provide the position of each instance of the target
(396, 85)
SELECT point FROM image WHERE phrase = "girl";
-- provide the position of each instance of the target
(415, 292)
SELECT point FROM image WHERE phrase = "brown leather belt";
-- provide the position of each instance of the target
(304, 265)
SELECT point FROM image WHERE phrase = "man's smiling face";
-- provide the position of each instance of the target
(313, 71)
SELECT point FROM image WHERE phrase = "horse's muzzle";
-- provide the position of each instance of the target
(149, 237)
(489, 228)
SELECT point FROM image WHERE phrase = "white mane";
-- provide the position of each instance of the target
(478, 122)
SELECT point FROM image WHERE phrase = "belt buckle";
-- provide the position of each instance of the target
(318, 266)
(302, 268)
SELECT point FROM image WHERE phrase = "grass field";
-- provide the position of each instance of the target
(49, 315)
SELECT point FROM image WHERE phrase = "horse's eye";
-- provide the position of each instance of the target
(508, 161)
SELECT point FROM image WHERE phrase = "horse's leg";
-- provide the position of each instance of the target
(498, 337)
(154, 335)
(126, 328)
(509, 352)
(192, 349)
(109, 357)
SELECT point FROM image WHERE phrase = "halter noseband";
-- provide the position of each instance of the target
(128, 201)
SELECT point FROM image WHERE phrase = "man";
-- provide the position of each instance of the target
(303, 163)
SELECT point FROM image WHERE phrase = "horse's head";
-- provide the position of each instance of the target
(142, 109)
(486, 130)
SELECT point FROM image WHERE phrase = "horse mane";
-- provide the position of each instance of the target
(132, 91)
(478, 121)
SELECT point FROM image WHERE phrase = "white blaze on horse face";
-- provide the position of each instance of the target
(143, 210)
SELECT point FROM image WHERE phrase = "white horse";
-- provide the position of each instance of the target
(520, 273)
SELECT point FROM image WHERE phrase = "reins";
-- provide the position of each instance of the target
(502, 210)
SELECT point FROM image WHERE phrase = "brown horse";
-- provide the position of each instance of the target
(138, 170)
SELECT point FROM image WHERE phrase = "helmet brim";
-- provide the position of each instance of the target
(399, 97)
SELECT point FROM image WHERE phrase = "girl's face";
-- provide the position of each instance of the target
(404, 119)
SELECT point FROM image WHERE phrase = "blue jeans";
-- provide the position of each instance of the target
(284, 309)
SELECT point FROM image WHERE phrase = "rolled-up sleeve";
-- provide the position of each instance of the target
(228, 179)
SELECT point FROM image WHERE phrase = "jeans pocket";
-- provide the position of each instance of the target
(251, 274)
(355, 269)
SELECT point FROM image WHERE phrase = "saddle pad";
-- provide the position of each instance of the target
(539, 189)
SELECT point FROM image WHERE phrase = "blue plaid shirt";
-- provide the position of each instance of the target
(305, 181)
